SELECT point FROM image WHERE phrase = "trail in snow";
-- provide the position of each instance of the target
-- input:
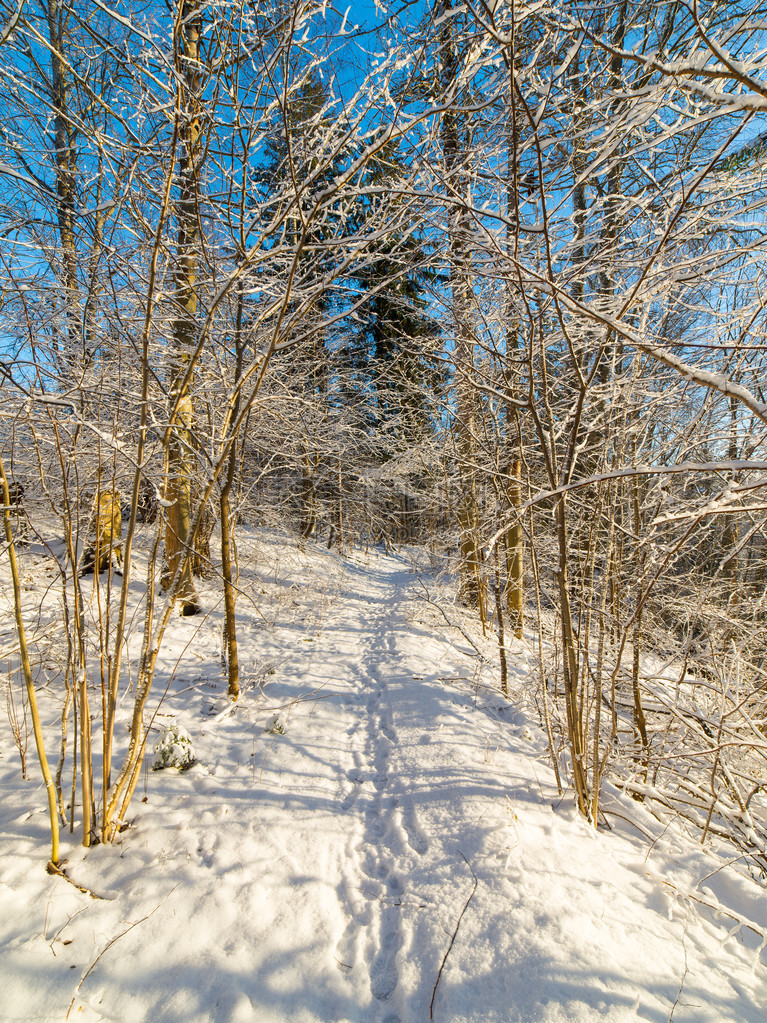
(319, 876)
(378, 859)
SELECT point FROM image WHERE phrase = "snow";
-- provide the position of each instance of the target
(372, 835)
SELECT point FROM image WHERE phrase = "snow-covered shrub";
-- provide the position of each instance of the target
(174, 749)
(277, 725)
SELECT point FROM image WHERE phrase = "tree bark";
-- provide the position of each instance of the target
(472, 587)
(179, 539)
(65, 160)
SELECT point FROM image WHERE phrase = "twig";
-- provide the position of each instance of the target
(109, 945)
(722, 866)
(453, 625)
(66, 923)
(263, 762)
(629, 820)
(684, 976)
(719, 910)
(452, 940)
(57, 870)
(393, 902)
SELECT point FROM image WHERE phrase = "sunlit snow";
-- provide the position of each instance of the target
(373, 835)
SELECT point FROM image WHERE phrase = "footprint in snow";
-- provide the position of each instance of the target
(416, 838)
(383, 973)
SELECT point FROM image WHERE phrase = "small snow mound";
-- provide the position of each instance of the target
(174, 749)
(277, 725)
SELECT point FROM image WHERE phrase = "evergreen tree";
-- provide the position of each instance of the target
(394, 354)
(301, 163)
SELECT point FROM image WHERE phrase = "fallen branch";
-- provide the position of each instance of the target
(718, 910)
(452, 940)
(57, 869)
(453, 625)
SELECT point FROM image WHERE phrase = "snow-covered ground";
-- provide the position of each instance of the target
(373, 835)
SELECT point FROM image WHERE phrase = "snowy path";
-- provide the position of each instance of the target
(372, 885)
(383, 857)
(318, 876)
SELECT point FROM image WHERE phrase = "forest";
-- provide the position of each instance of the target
(482, 278)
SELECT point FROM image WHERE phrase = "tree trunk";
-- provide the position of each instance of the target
(228, 550)
(571, 666)
(515, 546)
(308, 493)
(730, 537)
(515, 538)
(65, 159)
(50, 788)
(472, 584)
(227, 571)
(179, 540)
